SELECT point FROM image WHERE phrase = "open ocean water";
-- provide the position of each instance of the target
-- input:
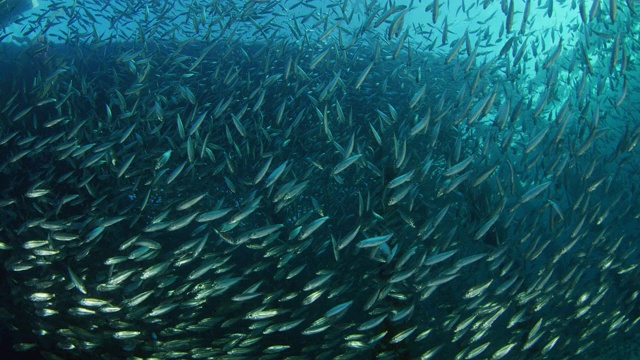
(320, 180)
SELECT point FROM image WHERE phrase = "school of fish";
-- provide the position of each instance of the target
(337, 179)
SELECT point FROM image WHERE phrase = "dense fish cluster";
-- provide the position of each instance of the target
(320, 180)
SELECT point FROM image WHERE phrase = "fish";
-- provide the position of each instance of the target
(401, 179)
(374, 241)
(525, 16)
(314, 179)
(439, 257)
(77, 281)
(312, 227)
(459, 167)
(533, 192)
(435, 9)
(454, 51)
(554, 56)
(363, 76)
(595, 6)
(485, 228)
(510, 13)
(196, 124)
(341, 166)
